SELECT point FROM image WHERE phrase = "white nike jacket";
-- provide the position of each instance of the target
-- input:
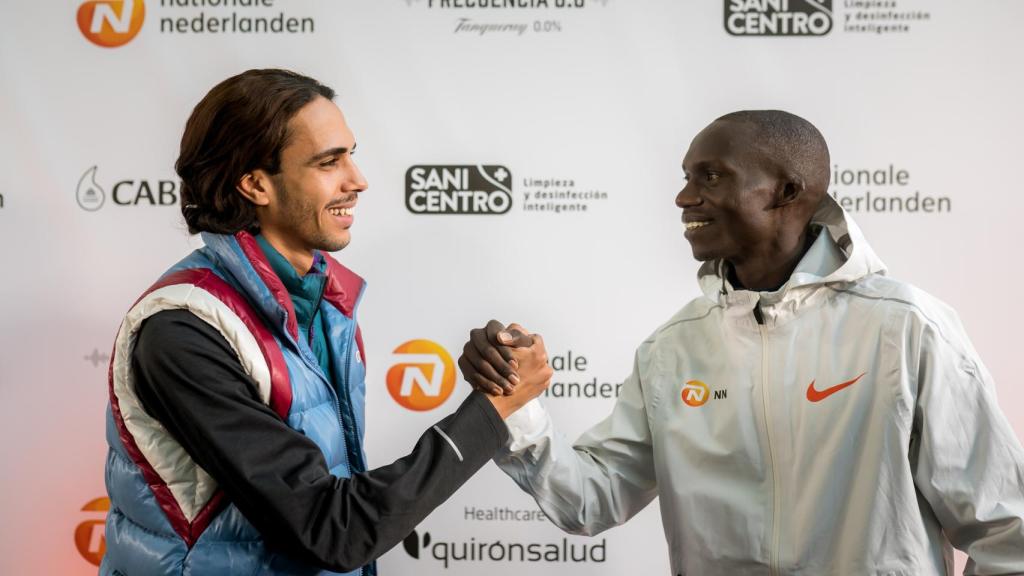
(852, 431)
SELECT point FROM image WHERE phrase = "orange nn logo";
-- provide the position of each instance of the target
(111, 23)
(695, 393)
(422, 376)
(89, 537)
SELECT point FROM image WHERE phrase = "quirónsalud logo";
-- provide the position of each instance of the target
(567, 550)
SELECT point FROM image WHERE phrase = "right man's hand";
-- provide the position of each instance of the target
(487, 362)
(523, 369)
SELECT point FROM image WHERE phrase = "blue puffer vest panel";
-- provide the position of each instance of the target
(167, 516)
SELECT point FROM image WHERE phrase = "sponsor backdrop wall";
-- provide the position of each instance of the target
(523, 158)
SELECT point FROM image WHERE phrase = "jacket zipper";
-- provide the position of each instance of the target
(357, 449)
(773, 559)
(330, 385)
(348, 365)
(343, 379)
(348, 402)
(344, 374)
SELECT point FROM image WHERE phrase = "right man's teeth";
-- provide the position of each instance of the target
(695, 225)
(341, 211)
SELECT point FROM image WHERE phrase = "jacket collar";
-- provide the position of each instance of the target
(240, 258)
(305, 290)
(840, 253)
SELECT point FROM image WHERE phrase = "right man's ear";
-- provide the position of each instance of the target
(789, 191)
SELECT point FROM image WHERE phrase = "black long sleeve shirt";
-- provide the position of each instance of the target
(189, 378)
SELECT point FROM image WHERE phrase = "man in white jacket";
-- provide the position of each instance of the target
(860, 432)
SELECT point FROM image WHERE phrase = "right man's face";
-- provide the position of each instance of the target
(728, 195)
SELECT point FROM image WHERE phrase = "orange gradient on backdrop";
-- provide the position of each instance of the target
(695, 393)
(89, 537)
(111, 23)
(413, 380)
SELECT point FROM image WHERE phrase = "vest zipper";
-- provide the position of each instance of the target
(343, 380)
(773, 559)
(312, 363)
(344, 383)
(348, 402)
(341, 421)
(317, 317)
(358, 448)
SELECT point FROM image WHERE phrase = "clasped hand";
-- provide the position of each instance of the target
(509, 364)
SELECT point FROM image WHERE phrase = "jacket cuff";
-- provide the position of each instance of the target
(526, 426)
(476, 428)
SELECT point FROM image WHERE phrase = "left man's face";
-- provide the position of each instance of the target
(728, 195)
(315, 194)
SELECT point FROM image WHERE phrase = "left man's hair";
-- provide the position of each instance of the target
(241, 125)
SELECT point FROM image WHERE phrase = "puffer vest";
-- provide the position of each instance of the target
(167, 515)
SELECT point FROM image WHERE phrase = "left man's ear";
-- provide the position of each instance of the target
(255, 187)
(789, 190)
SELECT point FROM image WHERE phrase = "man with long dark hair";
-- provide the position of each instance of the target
(237, 382)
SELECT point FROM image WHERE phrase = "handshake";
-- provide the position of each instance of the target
(510, 365)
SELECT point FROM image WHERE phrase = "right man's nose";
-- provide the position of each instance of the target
(687, 197)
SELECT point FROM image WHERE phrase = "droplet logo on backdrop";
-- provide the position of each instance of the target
(778, 17)
(422, 375)
(92, 196)
(111, 23)
(89, 535)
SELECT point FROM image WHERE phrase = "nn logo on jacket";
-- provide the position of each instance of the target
(111, 23)
(422, 375)
(696, 393)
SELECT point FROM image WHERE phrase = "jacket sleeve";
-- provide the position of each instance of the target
(602, 480)
(189, 378)
(967, 461)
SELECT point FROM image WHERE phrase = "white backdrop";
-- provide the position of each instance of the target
(600, 98)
